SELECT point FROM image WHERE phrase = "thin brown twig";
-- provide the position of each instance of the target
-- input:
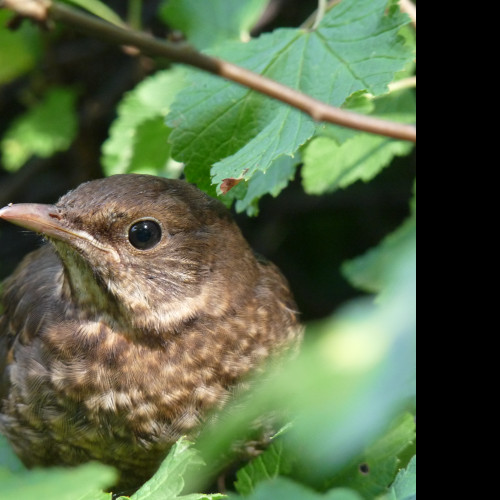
(44, 10)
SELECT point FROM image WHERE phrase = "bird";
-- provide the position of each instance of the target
(142, 314)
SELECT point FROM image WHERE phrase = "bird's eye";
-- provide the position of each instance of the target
(145, 234)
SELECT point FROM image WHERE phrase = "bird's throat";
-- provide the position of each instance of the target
(84, 286)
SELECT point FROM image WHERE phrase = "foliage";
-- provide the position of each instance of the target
(49, 127)
(350, 395)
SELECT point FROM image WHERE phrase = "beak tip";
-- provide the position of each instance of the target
(30, 216)
(4, 212)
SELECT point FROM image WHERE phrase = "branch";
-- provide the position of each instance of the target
(43, 11)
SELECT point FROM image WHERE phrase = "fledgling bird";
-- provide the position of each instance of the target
(144, 313)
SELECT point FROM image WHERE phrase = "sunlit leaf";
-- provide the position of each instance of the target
(168, 482)
(138, 141)
(329, 165)
(47, 128)
(355, 48)
(19, 50)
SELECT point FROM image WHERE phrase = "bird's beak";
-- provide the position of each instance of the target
(47, 220)
(43, 219)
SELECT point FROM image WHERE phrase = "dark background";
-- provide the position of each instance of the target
(308, 237)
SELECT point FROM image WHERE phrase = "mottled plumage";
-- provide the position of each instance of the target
(110, 348)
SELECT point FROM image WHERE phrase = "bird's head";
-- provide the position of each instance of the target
(151, 252)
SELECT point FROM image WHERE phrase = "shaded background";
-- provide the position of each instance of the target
(308, 237)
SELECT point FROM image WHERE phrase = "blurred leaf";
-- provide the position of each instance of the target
(20, 49)
(370, 271)
(212, 22)
(99, 9)
(355, 48)
(138, 141)
(346, 385)
(45, 129)
(8, 459)
(81, 483)
(151, 151)
(281, 489)
(168, 482)
(330, 164)
(373, 472)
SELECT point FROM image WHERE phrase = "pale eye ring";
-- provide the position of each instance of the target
(145, 234)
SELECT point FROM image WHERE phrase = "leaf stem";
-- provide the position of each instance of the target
(405, 83)
(311, 20)
(320, 12)
(44, 10)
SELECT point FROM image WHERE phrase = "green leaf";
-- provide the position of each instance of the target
(211, 22)
(168, 482)
(371, 271)
(82, 483)
(99, 9)
(373, 472)
(355, 48)
(8, 460)
(405, 485)
(269, 465)
(273, 181)
(329, 165)
(281, 488)
(20, 49)
(46, 129)
(138, 140)
(350, 380)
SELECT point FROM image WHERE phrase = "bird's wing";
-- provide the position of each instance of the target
(21, 305)
(6, 341)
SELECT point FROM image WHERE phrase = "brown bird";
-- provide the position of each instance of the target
(144, 313)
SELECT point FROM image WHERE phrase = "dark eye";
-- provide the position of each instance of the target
(145, 234)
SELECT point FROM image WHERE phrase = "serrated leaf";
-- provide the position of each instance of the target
(168, 482)
(269, 465)
(20, 49)
(81, 483)
(46, 129)
(211, 22)
(272, 182)
(405, 485)
(138, 141)
(355, 48)
(99, 9)
(330, 165)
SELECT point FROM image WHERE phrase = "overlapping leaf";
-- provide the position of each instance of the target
(138, 140)
(330, 165)
(168, 482)
(356, 47)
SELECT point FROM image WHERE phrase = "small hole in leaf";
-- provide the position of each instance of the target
(364, 469)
